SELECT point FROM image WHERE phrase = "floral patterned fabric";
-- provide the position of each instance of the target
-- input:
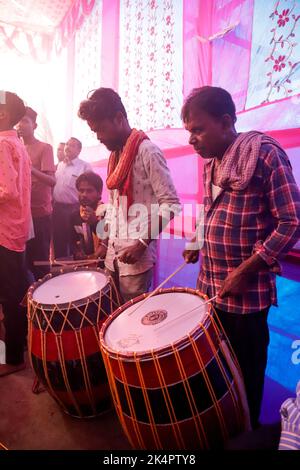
(87, 69)
(275, 56)
(151, 63)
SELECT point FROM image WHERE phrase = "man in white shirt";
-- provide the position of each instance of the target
(142, 195)
(65, 196)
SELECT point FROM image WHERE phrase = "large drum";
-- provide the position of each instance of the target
(65, 314)
(174, 382)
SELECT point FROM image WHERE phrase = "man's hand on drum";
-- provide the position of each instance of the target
(235, 283)
(79, 255)
(100, 251)
(132, 254)
(88, 215)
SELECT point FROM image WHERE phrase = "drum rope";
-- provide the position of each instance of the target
(220, 327)
(148, 296)
(235, 369)
(155, 434)
(208, 382)
(85, 371)
(168, 401)
(62, 362)
(130, 403)
(48, 383)
(234, 398)
(189, 395)
(114, 391)
(118, 302)
(239, 381)
(35, 315)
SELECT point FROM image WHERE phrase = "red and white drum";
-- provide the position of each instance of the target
(173, 381)
(65, 314)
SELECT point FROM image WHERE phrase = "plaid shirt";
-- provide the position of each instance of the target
(264, 218)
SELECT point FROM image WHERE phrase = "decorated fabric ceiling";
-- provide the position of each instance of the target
(34, 15)
(33, 27)
(153, 52)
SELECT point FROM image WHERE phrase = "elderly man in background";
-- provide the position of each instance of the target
(65, 196)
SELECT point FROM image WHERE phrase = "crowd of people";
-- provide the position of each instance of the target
(251, 215)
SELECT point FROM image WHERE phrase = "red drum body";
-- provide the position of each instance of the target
(173, 383)
(65, 314)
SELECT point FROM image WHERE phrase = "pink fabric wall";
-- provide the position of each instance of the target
(210, 56)
(231, 53)
(197, 55)
(110, 44)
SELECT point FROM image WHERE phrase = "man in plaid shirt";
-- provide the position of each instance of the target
(251, 220)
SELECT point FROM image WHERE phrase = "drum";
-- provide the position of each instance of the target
(174, 382)
(65, 313)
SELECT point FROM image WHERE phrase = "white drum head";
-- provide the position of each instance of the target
(70, 287)
(163, 319)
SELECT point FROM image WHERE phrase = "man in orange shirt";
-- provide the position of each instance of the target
(15, 187)
(43, 180)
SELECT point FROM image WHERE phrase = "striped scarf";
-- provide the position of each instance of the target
(240, 159)
(119, 174)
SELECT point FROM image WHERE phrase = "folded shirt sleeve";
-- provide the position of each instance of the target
(283, 199)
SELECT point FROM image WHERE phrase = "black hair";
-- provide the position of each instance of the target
(91, 178)
(14, 105)
(103, 103)
(77, 141)
(213, 100)
(31, 113)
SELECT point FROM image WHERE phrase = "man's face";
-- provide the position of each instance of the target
(60, 152)
(108, 133)
(72, 149)
(207, 134)
(88, 195)
(25, 127)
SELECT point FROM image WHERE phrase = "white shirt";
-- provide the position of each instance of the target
(151, 185)
(66, 174)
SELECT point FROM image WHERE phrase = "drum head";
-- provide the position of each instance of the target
(70, 287)
(161, 321)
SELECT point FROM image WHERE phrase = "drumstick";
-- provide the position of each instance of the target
(157, 288)
(185, 313)
(67, 262)
(78, 262)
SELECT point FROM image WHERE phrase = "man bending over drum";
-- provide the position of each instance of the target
(140, 187)
(84, 241)
(252, 218)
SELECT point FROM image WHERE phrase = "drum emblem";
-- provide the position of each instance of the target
(154, 317)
